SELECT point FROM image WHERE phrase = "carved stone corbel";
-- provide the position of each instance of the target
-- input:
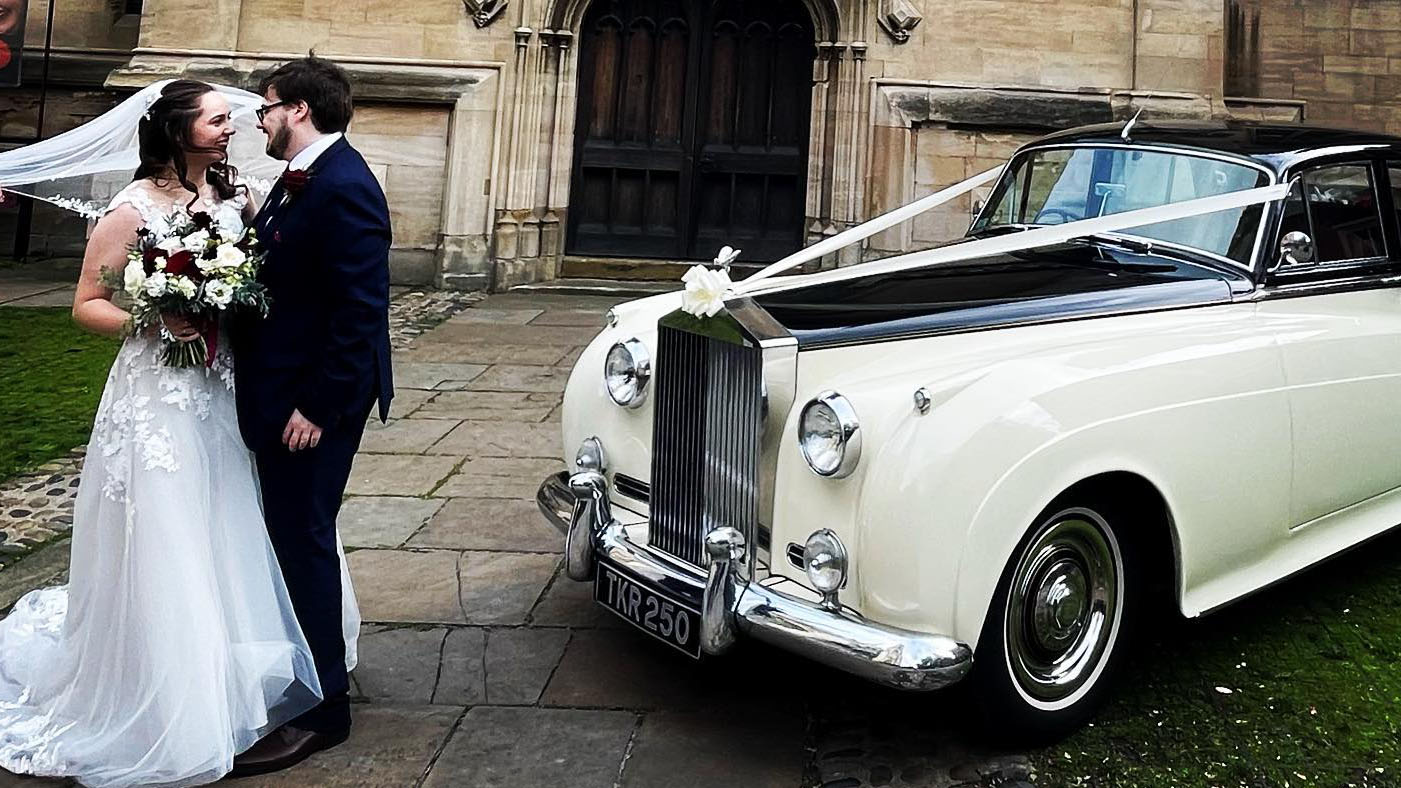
(483, 12)
(898, 18)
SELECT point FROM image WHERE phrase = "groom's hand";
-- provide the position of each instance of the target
(299, 433)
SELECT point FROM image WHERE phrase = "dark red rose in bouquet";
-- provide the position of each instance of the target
(202, 220)
(149, 256)
(182, 263)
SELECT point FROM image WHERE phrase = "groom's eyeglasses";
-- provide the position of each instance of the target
(263, 111)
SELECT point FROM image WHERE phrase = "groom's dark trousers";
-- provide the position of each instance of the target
(323, 350)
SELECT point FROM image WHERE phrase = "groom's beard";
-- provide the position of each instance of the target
(278, 142)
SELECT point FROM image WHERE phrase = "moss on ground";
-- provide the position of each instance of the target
(51, 379)
(1298, 686)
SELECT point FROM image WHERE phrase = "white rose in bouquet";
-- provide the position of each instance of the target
(171, 245)
(134, 279)
(197, 241)
(229, 256)
(156, 284)
(218, 294)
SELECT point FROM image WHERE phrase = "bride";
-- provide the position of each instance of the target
(174, 646)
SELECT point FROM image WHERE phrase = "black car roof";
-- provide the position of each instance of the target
(1276, 145)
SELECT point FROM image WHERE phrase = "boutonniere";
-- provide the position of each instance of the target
(293, 181)
(707, 288)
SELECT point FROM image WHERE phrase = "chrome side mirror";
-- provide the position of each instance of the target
(1296, 249)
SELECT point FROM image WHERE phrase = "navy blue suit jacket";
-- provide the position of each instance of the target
(324, 347)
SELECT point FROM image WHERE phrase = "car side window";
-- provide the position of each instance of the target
(1342, 210)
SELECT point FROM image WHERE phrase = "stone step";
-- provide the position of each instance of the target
(577, 267)
(635, 288)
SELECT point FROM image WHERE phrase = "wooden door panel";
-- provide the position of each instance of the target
(693, 121)
(752, 153)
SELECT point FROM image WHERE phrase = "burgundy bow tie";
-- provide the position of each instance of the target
(293, 181)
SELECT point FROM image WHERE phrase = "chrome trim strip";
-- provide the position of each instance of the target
(733, 606)
(1349, 284)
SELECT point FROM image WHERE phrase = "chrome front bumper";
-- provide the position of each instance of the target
(579, 506)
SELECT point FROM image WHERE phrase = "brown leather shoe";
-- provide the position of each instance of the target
(284, 747)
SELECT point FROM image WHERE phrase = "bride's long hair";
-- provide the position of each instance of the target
(164, 134)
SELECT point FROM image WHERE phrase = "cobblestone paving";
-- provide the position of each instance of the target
(481, 665)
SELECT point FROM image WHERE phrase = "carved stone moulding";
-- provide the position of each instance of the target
(483, 12)
(898, 18)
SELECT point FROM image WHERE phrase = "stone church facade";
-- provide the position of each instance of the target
(521, 140)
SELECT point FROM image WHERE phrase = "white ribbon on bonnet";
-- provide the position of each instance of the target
(1017, 242)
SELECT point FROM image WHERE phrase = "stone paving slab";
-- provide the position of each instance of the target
(518, 317)
(430, 375)
(553, 301)
(506, 377)
(567, 603)
(398, 474)
(501, 439)
(462, 670)
(489, 524)
(383, 521)
(490, 406)
(471, 332)
(500, 477)
(390, 746)
(399, 665)
(442, 352)
(404, 436)
(405, 401)
(717, 749)
(519, 663)
(501, 588)
(571, 358)
(579, 318)
(628, 669)
(409, 587)
(518, 747)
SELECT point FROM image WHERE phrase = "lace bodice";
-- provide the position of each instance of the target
(156, 210)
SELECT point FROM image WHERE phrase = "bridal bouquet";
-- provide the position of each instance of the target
(192, 270)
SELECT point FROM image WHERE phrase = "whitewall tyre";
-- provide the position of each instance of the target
(1059, 624)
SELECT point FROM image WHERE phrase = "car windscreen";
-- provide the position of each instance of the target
(1058, 185)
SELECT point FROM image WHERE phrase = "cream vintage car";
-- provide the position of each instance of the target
(989, 470)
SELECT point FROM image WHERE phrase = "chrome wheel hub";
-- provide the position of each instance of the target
(1063, 605)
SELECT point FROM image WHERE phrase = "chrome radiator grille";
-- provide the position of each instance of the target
(705, 441)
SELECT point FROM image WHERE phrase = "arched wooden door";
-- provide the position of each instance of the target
(692, 128)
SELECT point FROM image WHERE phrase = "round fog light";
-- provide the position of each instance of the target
(824, 558)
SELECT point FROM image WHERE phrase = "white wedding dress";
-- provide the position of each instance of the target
(174, 646)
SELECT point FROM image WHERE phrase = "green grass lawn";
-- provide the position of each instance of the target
(1298, 686)
(51, 378)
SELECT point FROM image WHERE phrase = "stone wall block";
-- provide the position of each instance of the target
(1353, 64)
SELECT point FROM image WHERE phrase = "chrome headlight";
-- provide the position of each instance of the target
(830, 435)
(824, 558)
(626, 372)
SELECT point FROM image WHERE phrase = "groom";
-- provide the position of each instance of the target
(308, 375)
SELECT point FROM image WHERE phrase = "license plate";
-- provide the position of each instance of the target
(664, 618)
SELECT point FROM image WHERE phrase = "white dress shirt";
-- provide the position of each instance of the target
(312, 152)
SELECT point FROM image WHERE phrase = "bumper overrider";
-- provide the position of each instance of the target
(731, 605)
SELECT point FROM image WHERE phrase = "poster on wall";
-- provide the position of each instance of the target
(12, 13)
